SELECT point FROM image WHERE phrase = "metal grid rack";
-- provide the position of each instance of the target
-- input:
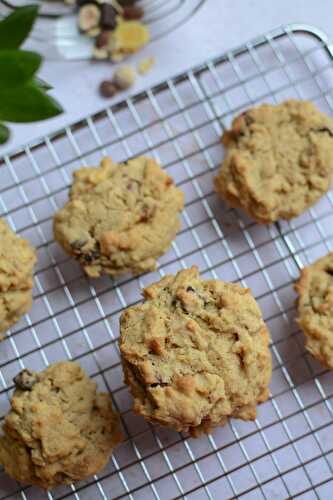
(287, 452)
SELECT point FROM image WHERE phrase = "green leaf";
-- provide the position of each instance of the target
(26, 104)
(15, 28)
(42, 84)
(4, 133)
(17, 67)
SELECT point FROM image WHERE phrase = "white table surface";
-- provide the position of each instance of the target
(218, 26)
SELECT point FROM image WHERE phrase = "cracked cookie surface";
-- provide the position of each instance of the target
(279, 160)
(59, 429)
(315, 308)
(17, 259)
(195, 352)
(120, 217)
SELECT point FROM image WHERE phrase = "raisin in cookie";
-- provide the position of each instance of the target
(17, 259)
(195, 352)
(120, 218)
(315, 308)
(59, 429)
(279, 160)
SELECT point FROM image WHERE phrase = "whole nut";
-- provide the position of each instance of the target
(107, 89)
(124, 77)
(89, 17)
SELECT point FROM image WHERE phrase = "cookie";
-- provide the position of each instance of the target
(195, 352)
(17, 259)
(120, 218)
(315, 308)
(279, 160)
(59, 429)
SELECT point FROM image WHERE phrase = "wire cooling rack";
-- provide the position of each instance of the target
(288, 451)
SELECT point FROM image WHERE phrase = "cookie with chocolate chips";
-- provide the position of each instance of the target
(315, 308)
(59, 428)
(120, 217)
(279, 160)
(17, 260)
(195, 352)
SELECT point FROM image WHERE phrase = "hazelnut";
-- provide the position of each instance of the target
(107, 89)
(124, 77)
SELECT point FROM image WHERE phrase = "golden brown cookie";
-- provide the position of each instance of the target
(279, 160)
(195, 352)
(59, 429)
(120, 218)
(17, 259)
(315, 308)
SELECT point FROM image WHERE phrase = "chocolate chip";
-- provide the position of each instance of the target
(25, 380)
(78, 244)
(325, 130)
(102, 40)
(107, 89)
(91, 256)
(329, 271)
(108, 16)
(133, 12)
(248, 119)
(190, 289)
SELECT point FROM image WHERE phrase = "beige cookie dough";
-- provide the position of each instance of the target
(59, 429)
(17, 259)
(279, 160)
(315, 308)
(120, 217)
(195, 352)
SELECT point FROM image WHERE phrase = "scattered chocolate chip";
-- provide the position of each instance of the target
(190, 289)
(108, 16)
(107, 89)
(325, 129)
(159, 384)
(89, 17)
(329, 271)
(25, 380)
(133, 12)
(102, 40)
(78, 244)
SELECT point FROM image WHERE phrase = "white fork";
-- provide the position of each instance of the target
(58, 37)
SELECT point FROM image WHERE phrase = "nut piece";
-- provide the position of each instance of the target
(25, 380)
(102, 40)
(124, 77)
(145, 65)
(107, 89)
(89, 17)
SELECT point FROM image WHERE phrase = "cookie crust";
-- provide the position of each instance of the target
(279, 160)
(120, 218)
(195, 352)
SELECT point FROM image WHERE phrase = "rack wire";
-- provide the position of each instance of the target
(287, 452)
